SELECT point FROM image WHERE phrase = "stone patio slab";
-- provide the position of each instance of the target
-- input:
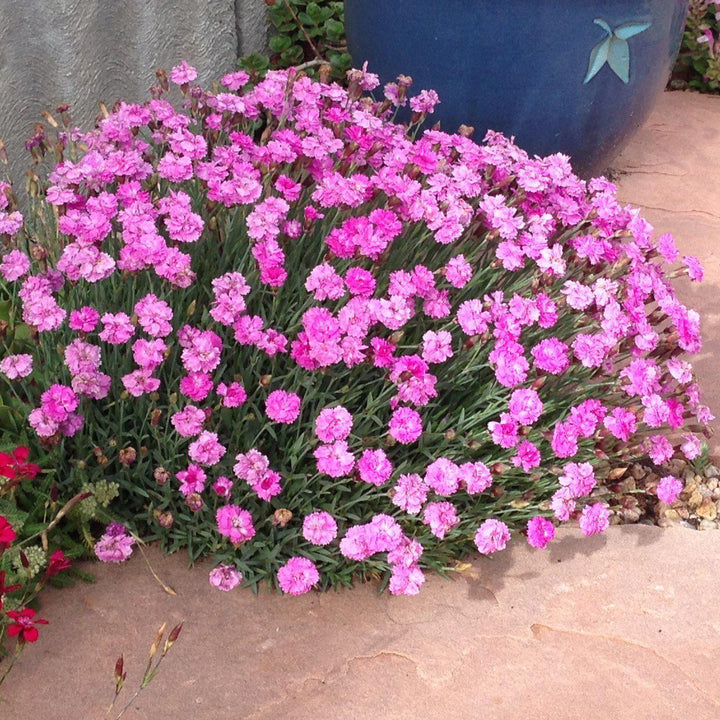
(622, 625)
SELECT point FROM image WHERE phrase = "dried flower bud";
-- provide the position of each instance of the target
(450, 435)
(325, 73)
(97, 452)
(163, 518)
(195, 502)
(161, 475)
(127, 456)
(155, 416)
(158, 639)
(103, 461)
(265, 380)
(466, 131)
(38, 253)
(281, 517)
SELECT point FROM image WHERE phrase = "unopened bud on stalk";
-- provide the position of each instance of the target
(498, 468)
(474, 445)
(265, 380)
(155, 416)
(103, 461)
(97, 452)
(119, 674)
(466, 131)
(172, 637)
(539, 382)
(450, 435)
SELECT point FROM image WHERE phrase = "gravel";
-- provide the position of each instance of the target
(631, 496)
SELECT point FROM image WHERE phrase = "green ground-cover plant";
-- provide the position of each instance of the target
(699, 61)
(307, 34)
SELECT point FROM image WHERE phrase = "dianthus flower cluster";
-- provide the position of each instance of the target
(397, 342)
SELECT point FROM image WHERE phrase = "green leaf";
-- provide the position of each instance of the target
(619, 58)
(280, 43)
(5, 308)
(630, 29)
(598, 57)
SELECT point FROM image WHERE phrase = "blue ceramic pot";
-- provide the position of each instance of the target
(571, 76)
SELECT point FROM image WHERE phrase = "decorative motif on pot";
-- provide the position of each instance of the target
(614, 49)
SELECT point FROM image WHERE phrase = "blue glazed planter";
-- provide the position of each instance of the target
(571, 76)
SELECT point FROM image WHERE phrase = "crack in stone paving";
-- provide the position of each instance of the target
(535, 628)
(677, 210)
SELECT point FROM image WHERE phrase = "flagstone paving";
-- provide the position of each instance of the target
(623, 625)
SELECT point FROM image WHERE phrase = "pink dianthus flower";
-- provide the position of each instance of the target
(235, 523)
(595, 519)
(335, 459)
(333, 424)
(115, 545)
(405, 425)
(206, 450)
(297, 576)
(319, 528)
(374, 467)
(183, 73)
(283, 407)
(669, 489)
(225, 577)
(16, 366)
(540, 531)
(441, 517)
(492, 536)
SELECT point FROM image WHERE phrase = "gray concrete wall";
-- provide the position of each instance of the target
(86, 51)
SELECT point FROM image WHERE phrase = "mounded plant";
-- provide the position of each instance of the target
(317, 344)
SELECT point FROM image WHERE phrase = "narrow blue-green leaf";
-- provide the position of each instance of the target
(619, 58)
(630, 29)
(598, 57)
(603, 25)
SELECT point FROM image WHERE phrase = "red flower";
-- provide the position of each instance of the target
(15, 466)
(5, 588)
(57, 563)
(24, 625)
(7, 534)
